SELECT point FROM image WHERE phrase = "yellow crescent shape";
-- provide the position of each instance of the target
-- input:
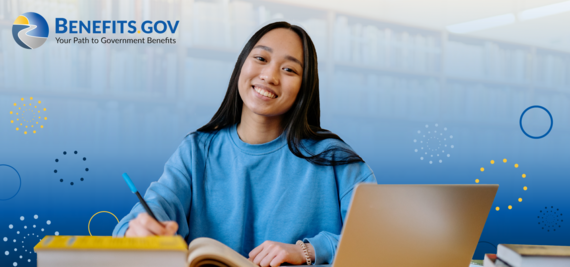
(22, 21)
(89, 224)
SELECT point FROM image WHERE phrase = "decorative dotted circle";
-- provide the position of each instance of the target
(525, 188)
(432, 142)
(550, 219)
(57, 161)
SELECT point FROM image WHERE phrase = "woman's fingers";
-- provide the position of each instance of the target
(272, 253)
(255, 251)
(138, 230)
(144, 225)
(268, 258)
(262, 254)
(171, 227)
(279, 258)
(150, 224)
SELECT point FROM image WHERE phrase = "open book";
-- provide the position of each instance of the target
(153, 251)
(206, 251)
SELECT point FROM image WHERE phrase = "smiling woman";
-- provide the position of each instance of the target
(262, 176)
(282, 56)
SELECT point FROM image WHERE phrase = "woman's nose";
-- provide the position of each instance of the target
(270, 74)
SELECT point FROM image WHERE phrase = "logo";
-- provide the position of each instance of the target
(30, 30)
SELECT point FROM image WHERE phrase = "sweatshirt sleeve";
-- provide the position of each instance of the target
(169, 198)
(325, 243)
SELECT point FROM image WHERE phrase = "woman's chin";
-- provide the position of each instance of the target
(259, 110)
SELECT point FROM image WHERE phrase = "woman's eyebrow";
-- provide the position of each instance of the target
(268, 49)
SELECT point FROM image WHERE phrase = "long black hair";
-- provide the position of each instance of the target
(302, 120)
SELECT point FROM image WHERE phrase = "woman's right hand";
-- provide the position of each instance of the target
(144, 225)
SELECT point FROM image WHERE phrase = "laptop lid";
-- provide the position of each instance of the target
(414, 225)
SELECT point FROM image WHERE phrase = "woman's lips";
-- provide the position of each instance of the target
(262, 95)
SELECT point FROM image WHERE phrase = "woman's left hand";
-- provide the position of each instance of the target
(271, 253)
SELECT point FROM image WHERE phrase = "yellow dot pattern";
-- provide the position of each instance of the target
(516, 165)
(23, 116)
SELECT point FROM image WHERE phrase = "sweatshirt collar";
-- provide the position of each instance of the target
(258, 149)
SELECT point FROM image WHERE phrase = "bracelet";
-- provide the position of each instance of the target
(305, 251)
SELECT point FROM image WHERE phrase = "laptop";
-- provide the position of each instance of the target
(414, 225)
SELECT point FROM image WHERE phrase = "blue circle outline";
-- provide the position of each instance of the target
(551, 122)
(20, 186)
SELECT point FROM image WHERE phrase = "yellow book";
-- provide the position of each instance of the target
(173, 243)
(87, 251)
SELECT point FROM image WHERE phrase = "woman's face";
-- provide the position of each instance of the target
(271, 75)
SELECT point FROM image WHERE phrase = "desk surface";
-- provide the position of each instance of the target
(473, 263)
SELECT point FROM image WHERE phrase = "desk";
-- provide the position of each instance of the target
(473, 263)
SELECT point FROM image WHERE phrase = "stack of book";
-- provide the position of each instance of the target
(528, 256)
(96, 251)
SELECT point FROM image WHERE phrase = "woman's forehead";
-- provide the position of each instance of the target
(282, 41)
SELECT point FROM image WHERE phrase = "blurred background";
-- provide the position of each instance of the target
(427, 92)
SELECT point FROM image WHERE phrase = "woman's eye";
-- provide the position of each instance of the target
(289, 70)
(260, 58)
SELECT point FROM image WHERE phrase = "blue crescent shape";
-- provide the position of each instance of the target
(42, 29)
(15, 30)
(19, 186)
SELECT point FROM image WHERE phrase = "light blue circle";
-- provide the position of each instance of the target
(551, 122)
(19, 186)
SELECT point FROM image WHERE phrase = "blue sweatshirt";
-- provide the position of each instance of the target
(215, 185)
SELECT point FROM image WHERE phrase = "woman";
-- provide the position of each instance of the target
(261, 174)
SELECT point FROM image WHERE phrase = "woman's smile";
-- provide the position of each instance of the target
(263, 93)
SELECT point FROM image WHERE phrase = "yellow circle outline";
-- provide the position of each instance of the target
(89, 224)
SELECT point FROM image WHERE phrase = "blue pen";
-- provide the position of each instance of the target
(136, 192)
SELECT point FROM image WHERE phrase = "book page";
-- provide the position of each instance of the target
(206, 251)
(537, 250)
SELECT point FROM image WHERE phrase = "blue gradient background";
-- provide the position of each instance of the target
(127, 107)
